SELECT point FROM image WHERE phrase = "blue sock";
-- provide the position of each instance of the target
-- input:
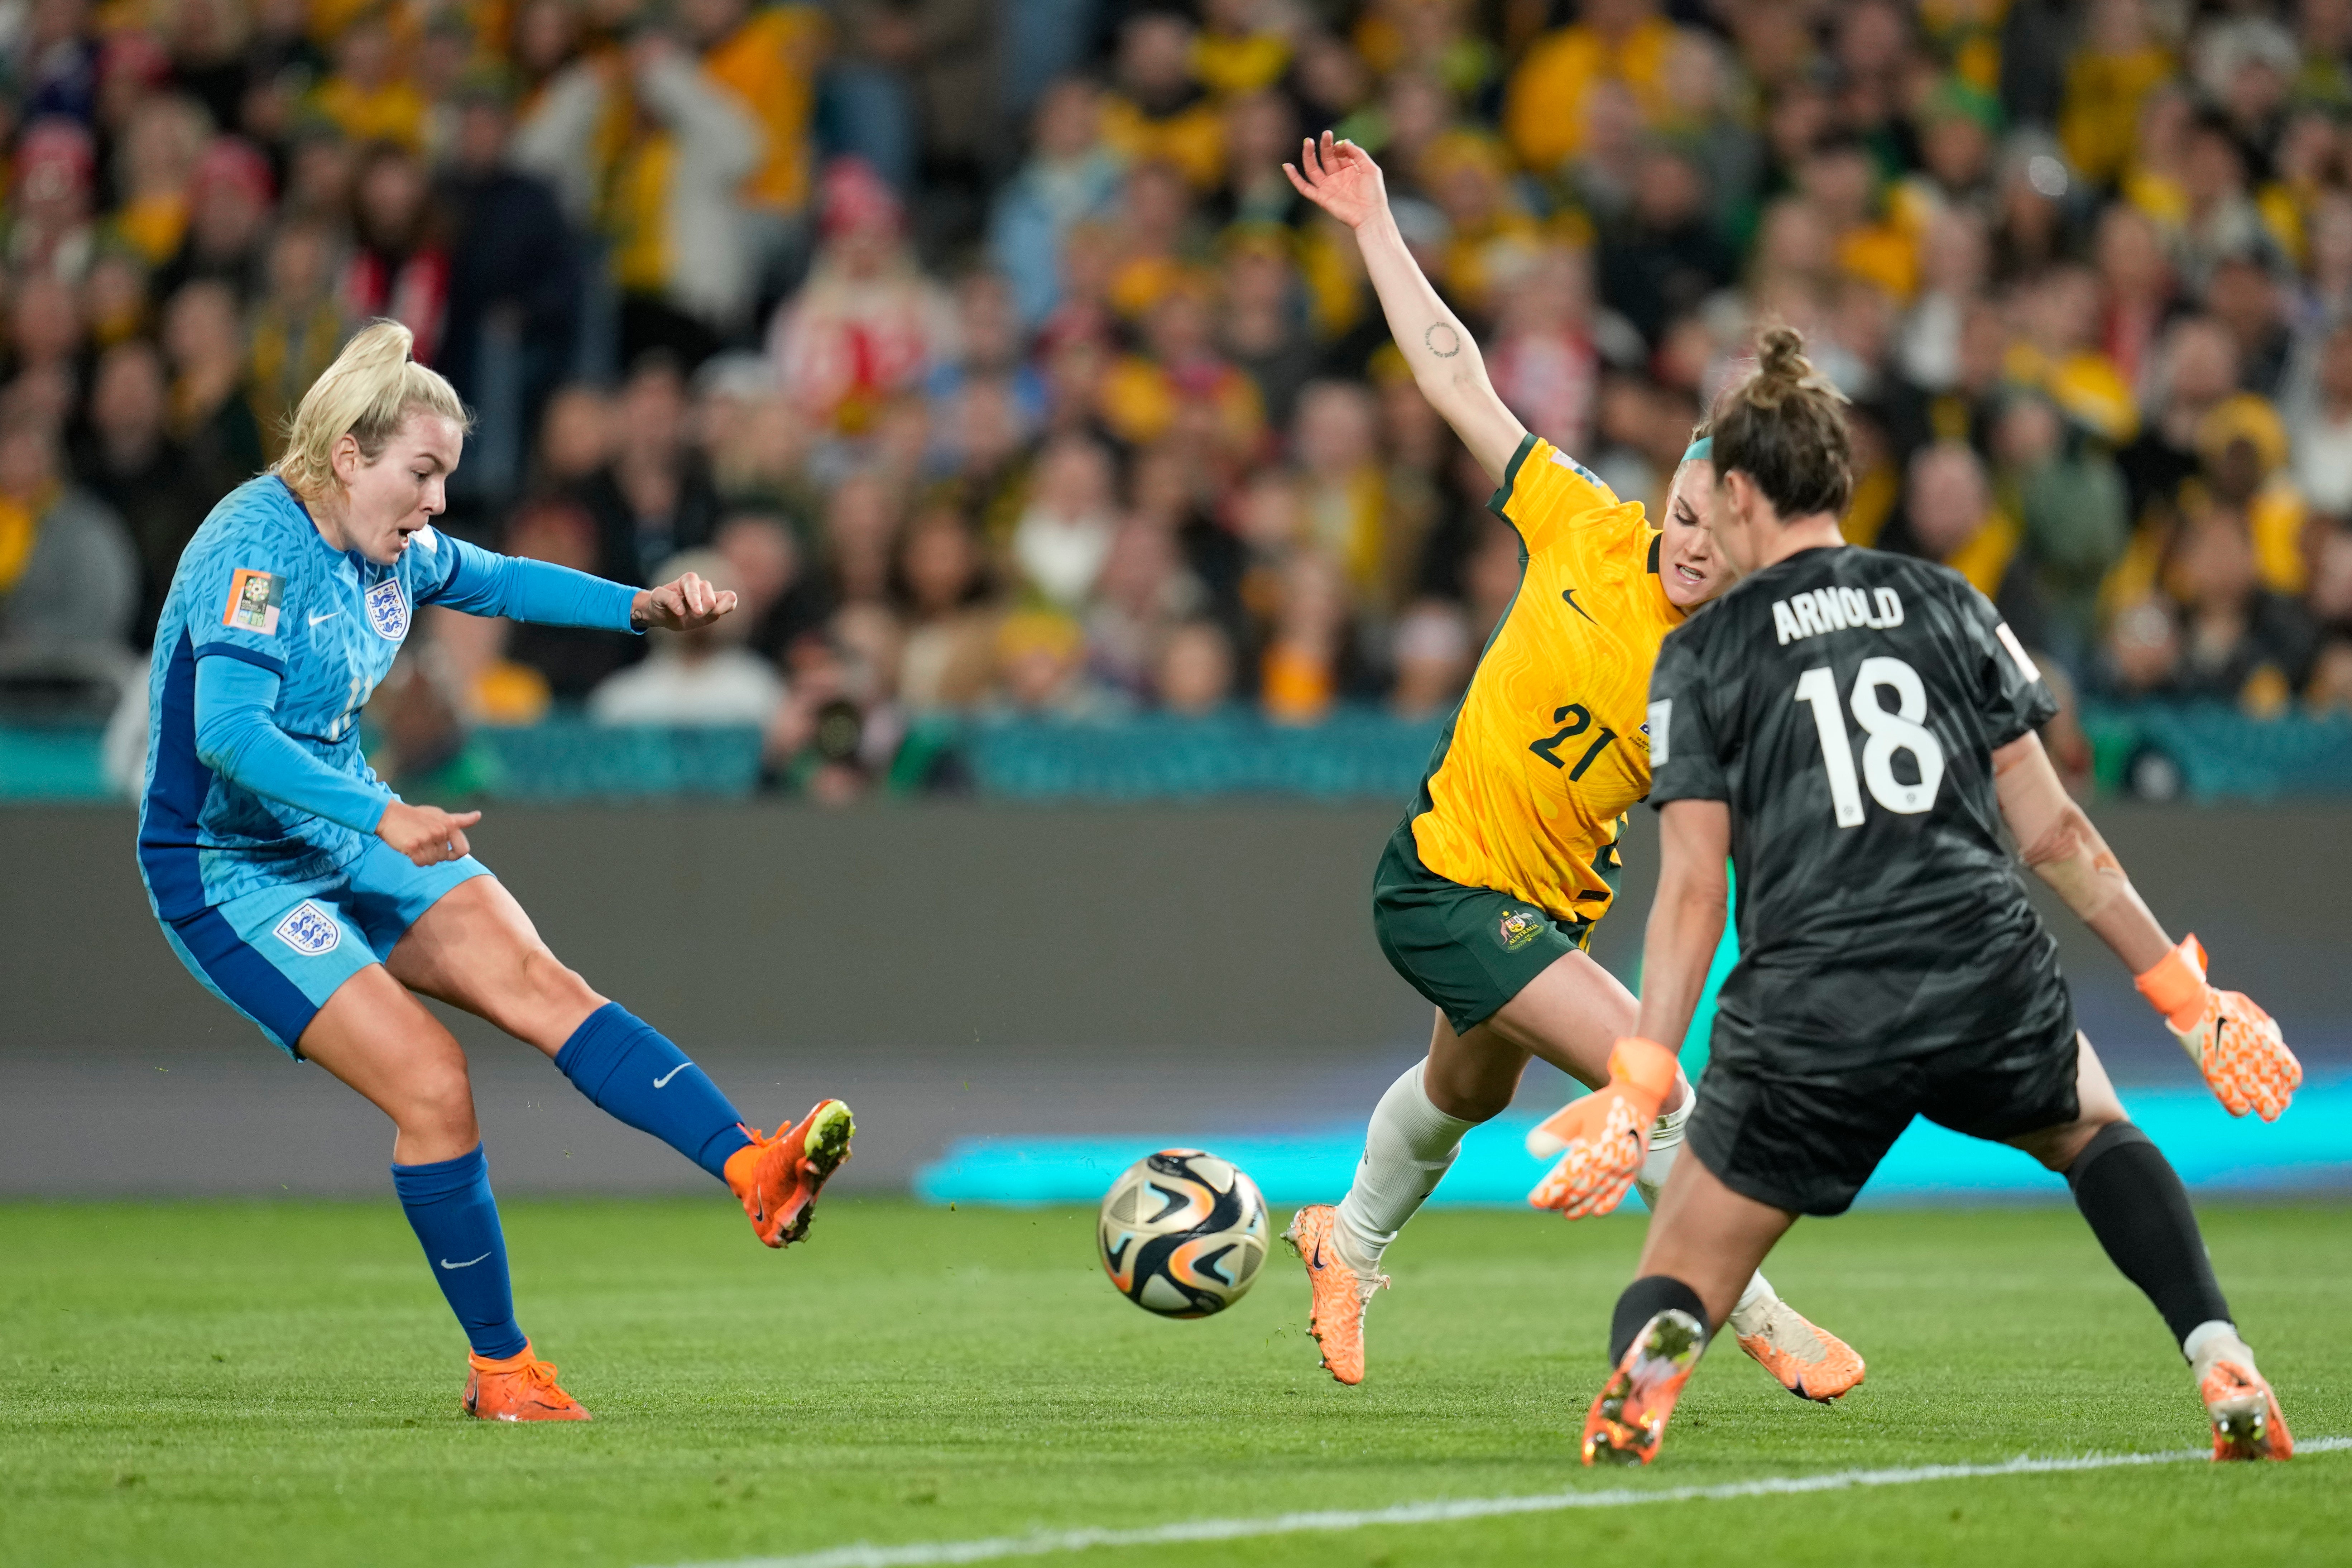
(450, 1207)
(632, 1073)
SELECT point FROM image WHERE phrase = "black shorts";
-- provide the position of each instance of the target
(1806, 1142)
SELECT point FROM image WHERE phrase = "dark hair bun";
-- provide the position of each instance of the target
(1784, 428)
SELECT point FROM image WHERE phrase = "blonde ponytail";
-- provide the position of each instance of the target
(368, 394)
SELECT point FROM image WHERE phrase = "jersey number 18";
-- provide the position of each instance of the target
(1900, 730)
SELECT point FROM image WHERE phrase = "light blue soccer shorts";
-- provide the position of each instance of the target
(277, 954)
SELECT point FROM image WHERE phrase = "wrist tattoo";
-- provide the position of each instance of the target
(1442, 340)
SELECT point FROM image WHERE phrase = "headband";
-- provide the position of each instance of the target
(1700, 451)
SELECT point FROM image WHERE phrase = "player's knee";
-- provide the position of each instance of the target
(2060, 1147)
(438, 1102)
(547, 987)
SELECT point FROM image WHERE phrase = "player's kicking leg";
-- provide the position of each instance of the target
(2139, 1210)
(476, 948)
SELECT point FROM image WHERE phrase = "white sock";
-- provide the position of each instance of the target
(1408, 1149)
(1665, 1141)
(1758, 1301)
(2215, 1341)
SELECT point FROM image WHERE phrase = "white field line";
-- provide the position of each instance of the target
(921, 1554)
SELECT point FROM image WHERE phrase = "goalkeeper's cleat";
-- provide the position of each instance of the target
(2237, 1046)
(1342, 1293)
(522, 1387)
(2247, 1422)
(1628, 1419)
(778, 1178)
(1809, 1362)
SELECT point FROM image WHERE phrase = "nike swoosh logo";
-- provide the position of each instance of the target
(468, 1264)
(1569, 595)
(330, 616)
(663, 1081)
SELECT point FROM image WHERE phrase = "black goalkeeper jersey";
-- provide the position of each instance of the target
(1846, 704)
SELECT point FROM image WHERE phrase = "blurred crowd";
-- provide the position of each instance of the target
(983, 348)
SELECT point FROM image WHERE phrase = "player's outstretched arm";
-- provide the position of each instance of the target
(1604, 1137)
(2234, 1043)
(482, 583)
(1341, 178)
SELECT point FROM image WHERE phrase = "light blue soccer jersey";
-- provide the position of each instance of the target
(260, 584)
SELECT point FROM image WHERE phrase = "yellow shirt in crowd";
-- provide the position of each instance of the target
(770, 63)
(1549, 748)
(1543, 111)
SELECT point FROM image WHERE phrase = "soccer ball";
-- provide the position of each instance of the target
(1183, 1234)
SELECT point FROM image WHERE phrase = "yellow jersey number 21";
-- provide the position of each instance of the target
(1574, 720)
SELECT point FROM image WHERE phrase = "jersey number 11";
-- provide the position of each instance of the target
(1900, 730)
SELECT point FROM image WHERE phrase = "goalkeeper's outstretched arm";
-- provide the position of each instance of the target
(2059, 842)
(2237, 1046)
(1341, 178)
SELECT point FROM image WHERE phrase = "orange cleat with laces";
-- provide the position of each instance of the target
(1341, 1293)
(1810, 1361)
(2247, 1421)
(519, 1388)
(1629, 1418)
(778, 1178)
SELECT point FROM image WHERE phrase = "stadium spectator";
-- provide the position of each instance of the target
(127, 458)
(652, 498)
(1071, 175)
(70, 587)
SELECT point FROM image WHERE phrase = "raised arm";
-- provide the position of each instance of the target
(2236, 1044)
(1341, 178)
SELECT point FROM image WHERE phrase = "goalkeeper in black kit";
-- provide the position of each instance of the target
(1853, 730)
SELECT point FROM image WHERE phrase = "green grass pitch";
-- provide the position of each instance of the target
(271, 1383)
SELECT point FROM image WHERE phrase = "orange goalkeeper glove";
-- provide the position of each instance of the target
(1605, 1136)
(2234, 1043)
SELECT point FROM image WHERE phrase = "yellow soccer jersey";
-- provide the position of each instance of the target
(1529, 785)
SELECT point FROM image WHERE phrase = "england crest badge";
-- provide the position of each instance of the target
(387, 610)
(308, 931)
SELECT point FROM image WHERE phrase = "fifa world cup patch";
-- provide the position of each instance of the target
(387, 610)
(1517, 928)
(254, 598)
(308, 931)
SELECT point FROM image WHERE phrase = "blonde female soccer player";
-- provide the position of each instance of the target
(1489, 890)
(300, 891)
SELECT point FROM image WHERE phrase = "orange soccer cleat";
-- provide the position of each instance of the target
(519, 1388)
(1342, 1292)
(778, 1178)
(1810, 1361)
(1629, 1418)
(2247, 1421)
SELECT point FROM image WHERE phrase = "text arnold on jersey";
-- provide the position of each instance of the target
(1802, 615)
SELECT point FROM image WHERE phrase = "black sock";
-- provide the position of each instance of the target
(2140, 1211)
(1644, 1299)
